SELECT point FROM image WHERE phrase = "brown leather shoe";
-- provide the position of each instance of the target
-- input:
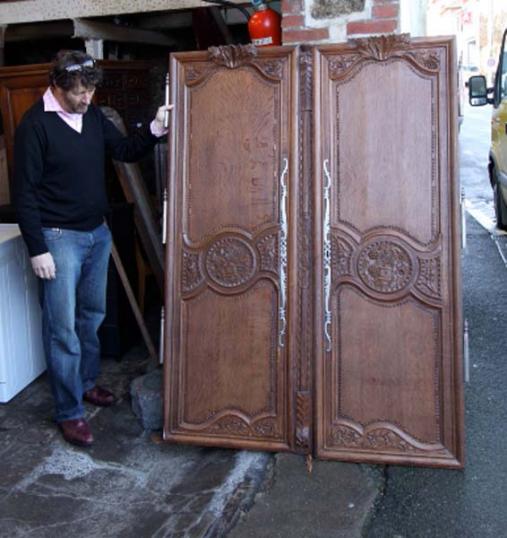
(76, 431)
(99, 396)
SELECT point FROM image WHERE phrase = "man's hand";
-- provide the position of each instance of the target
(160, 117)
(43, 266)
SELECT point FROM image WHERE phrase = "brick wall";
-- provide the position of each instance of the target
(299, 25)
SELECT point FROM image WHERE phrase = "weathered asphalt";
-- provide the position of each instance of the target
(470, 503)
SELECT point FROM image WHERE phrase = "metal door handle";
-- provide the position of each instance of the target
(164, 217)
(282, 312)
(166, 101)
(326, 240)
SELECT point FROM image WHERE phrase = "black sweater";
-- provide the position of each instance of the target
(59, 173)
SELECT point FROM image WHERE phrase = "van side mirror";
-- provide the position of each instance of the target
(477, 91)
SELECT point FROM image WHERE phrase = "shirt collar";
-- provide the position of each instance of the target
(51, 104)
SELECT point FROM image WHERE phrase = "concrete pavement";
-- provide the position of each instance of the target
(126, 485)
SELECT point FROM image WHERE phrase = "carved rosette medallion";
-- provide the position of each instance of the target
(230, 262)
(268, 250)
(384, 266)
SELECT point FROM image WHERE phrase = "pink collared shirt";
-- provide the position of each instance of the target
(52, 105)
(76, 120)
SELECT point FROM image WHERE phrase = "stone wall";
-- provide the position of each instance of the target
(316, 21)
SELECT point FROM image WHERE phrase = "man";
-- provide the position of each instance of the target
(60, 198)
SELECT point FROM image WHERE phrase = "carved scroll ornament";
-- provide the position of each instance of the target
(383, 48)
(379, 438)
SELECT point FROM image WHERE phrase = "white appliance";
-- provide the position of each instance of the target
(21, 351)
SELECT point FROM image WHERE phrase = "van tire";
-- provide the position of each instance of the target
(500, 208)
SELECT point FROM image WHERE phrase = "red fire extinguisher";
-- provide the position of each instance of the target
(265, 25)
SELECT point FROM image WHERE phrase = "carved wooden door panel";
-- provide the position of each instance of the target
(231, 248)
(388, 323)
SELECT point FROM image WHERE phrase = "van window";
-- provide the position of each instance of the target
(503, 77)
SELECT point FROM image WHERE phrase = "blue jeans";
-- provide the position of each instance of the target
(73, 307)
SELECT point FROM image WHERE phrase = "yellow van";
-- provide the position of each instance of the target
(479, 95)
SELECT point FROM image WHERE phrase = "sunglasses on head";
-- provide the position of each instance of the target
(80, 67)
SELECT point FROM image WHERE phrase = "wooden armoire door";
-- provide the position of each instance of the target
(389, 385)
(231, 248)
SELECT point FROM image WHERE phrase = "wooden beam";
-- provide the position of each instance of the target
(184, 20)
(216, 15)
(36, 31)
(133, 302)
(85, 29)
(46, 10)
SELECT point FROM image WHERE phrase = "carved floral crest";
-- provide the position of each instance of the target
(381, 47)
(232, 56)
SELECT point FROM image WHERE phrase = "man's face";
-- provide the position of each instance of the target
(75, 100)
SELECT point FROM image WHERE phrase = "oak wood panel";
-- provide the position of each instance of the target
(228, 345)
(388, 313)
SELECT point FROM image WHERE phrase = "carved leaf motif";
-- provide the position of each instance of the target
(232, 56)
(265, 428)
(306, 77)
(384, 266)
(268, 249)
(271, 68)
(191, 274)
(232, 425)
(429, 279)
(381, 47)
(340, 64)
(195, 72)
(430, 60)
(384, 439)
(340, 258)
(346, 437)
(380, 439)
